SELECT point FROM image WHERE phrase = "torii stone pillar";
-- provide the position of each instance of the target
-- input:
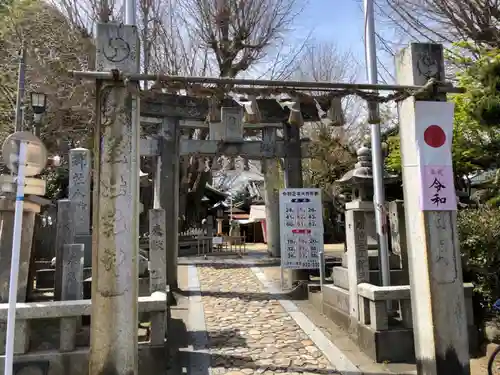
(437, 290)
(168, 180)
(114, 337)
(293, 179)
(271, 173)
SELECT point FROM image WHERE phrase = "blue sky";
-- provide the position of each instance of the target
(341, 21)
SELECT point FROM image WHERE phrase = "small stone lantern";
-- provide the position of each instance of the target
(360, 181)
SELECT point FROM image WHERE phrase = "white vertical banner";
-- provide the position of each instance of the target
(434, 135)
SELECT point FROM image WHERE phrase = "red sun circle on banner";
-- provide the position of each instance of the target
(434, 136)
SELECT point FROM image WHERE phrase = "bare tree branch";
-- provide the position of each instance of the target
(444, 21)
(239, 33)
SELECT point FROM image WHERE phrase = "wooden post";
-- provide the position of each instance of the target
(293, 179)
(114, 336)
(169, 194)
(271, 173)
(437, 290)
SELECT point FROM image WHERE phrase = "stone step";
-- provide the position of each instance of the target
(336, 297)
(394, 261)
(341, 279)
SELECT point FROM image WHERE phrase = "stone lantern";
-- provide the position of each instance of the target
(360, 183)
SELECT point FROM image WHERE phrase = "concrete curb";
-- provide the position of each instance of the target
(198, 364)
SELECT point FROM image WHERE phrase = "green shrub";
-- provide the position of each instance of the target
(479, 233)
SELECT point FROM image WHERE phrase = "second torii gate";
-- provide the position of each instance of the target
(226, 133)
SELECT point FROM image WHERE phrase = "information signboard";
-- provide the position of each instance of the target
(301, 228)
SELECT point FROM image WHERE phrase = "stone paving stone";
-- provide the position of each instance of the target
(249, 332)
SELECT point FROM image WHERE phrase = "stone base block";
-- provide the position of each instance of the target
(393, 345)
(152, 360)
(336, 297)
(397, 345)
(394, 260)
(341, 279)
(340, 318)
(45, 278)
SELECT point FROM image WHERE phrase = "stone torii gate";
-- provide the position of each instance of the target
(114, 341)
(175, 113)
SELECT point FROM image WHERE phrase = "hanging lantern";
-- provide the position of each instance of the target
(335, 113)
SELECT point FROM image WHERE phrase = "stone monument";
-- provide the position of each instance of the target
(360, 261)
(360, 227)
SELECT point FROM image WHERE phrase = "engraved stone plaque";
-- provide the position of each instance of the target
(232, 118)
(117, 47)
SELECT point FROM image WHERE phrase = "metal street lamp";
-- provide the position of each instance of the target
(39, 105)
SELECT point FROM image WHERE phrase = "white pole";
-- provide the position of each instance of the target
(14, 263)
(130, 8)
(377, 159)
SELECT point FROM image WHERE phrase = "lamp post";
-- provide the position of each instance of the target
(39, 105)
